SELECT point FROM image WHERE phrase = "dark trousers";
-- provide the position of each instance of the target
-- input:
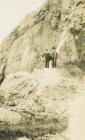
(47, 63)
(54, 64)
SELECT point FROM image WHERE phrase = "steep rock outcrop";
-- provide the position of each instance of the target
(39, 101)
(57, 23)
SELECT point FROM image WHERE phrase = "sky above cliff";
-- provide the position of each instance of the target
(13, 11)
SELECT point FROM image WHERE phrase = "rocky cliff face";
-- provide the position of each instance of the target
(34, 102)
(57, 23)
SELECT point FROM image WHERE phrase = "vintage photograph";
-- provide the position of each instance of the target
(42, 69)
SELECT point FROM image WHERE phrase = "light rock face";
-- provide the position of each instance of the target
(10, 117)
(34, 102)
(58, 23)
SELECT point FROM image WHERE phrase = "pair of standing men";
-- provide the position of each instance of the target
(50, 57)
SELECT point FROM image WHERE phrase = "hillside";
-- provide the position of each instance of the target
(57, 23)
(38, 105)
(35, 103)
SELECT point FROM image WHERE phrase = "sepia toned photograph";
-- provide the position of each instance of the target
(42, 69)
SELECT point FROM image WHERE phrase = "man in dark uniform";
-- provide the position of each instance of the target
(54, 57)
(46, 57)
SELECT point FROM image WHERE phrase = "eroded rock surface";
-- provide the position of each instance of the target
(34, 102)
(58, 23)
(38, 105)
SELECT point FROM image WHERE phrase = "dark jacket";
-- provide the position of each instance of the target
(54, 56)
(46, 56)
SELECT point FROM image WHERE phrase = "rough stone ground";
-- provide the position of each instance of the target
(37, 104)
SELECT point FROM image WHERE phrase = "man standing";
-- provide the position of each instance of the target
(54, 57)
(46, 57)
